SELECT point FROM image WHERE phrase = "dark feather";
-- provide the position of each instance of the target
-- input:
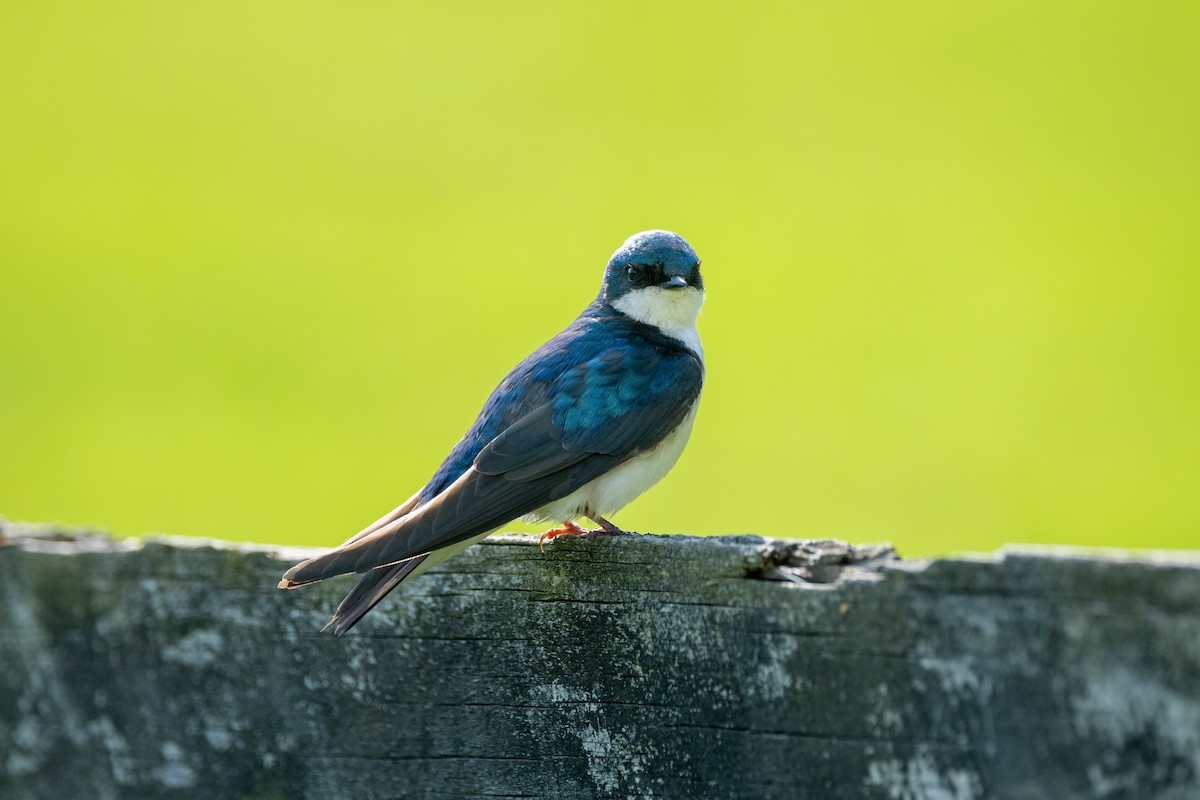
(369, 590)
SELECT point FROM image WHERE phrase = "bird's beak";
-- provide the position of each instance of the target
(674, 282)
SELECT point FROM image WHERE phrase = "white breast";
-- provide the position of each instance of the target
(618, 487)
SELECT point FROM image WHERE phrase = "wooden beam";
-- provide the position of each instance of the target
(652, 666)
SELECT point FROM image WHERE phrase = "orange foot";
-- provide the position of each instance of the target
(571, 529)
(568, 528)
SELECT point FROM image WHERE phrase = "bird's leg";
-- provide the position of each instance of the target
(568, 527)
(606, 529)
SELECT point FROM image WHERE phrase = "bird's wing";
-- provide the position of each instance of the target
(618, 403)
(594, 416)
(393, 515)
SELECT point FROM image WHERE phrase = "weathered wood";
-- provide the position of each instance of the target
(629, 667)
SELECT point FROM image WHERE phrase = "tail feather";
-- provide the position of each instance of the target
(291, 580)
(473, 505)
(371, 588)
(394, 548)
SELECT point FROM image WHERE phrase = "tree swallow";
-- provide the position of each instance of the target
(585, 424)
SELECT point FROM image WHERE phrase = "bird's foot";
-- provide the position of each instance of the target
(569, 528)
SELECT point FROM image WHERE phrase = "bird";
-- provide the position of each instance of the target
(585, 424)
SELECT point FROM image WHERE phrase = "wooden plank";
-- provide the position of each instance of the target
(655, 666)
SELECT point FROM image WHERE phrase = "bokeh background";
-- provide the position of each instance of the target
(262, 262)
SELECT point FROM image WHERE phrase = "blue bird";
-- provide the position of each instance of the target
(585, 424)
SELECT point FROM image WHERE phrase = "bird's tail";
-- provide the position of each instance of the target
(312, 570)
(371, 588)
(386, 547)
(435, 525)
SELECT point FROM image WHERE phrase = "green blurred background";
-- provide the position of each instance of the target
(262, 262)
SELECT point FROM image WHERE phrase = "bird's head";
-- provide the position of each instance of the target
(655, 278)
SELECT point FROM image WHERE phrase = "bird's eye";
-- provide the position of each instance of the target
(635, 272)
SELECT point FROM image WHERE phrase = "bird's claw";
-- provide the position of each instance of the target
(596, 533)
(569, 528)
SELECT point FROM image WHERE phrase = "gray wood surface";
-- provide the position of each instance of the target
(650, 666)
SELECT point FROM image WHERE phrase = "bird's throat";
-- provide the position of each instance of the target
(672, 311)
